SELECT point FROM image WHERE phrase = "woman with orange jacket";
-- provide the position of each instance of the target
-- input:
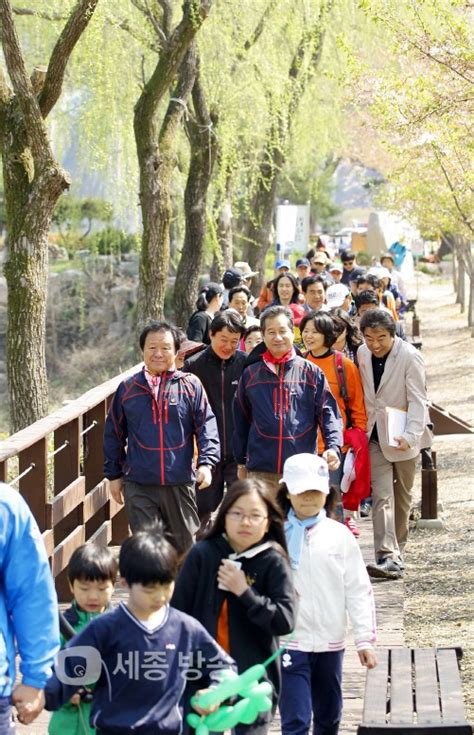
(319, 334)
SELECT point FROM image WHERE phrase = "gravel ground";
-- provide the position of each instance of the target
(439, 563)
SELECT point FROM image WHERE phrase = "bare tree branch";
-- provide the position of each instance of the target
(260, 26)
(22, 87)
(167, 9)
(39, 14)
(125, 26)
(169, 62)
(72, 31)
(143, 7)
(465, 219)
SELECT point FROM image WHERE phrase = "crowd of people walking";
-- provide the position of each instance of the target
(244, 451)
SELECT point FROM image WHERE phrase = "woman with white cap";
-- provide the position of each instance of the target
(330, 581)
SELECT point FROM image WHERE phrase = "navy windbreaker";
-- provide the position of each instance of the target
(151, 441)
(277, 416)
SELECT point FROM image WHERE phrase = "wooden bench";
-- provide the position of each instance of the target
(414, 692)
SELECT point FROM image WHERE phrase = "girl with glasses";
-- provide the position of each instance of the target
(237, 583)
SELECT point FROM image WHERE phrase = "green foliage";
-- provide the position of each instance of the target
(422, 100)
(364, 259)
(74, 219)
(111, 241)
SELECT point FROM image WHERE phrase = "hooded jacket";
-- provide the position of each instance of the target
(159, 433)
(277, 414)
(256, 618)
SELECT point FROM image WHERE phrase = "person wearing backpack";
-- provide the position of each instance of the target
(319, 334)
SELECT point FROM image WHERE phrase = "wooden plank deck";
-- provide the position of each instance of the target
(389, 606)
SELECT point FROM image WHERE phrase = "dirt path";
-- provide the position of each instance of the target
(438, 607)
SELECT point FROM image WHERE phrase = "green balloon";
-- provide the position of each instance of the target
(256, 698)
(218, 720)
(228, 687)
(250, 715)
(264, 687)
(194, 720)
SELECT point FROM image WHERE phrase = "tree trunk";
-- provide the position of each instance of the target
(470, 315)
(33, 183)
(29, 206)
(455, 272)
(223, 257)
(157, 160)
(258, 233)
(461, 293)
(203, 144)
(156, 149)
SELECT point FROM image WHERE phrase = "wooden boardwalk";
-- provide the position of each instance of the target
(389, 606)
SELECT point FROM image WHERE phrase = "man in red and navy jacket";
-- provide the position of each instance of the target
(281, 401)
(149, 440)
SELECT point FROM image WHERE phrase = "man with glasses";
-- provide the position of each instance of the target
(351, 270)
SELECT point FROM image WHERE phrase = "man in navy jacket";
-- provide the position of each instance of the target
(149, 440)
(281, 401)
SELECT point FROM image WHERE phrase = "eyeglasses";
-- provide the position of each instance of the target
(255, 519)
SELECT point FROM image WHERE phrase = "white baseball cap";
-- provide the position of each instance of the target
(336, 294)
(303, 472)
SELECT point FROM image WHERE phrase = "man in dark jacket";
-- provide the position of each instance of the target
(219, 368)
(280, 402)
(351, 269)
(148, 440)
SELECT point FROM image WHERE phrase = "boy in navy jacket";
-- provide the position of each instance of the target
(145, 657)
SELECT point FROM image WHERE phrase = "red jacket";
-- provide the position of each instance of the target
(360, 486)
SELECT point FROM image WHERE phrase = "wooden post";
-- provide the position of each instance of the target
(34, 485)
(429, 488)
(94, 460)
(66, 470)
(415, 324)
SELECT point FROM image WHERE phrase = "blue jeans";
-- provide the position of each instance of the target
(311, 685)
(7, 726)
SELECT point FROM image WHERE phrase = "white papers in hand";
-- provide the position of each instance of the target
(396, 424)
(349, 473)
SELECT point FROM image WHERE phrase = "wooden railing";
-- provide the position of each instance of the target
(60, 475)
